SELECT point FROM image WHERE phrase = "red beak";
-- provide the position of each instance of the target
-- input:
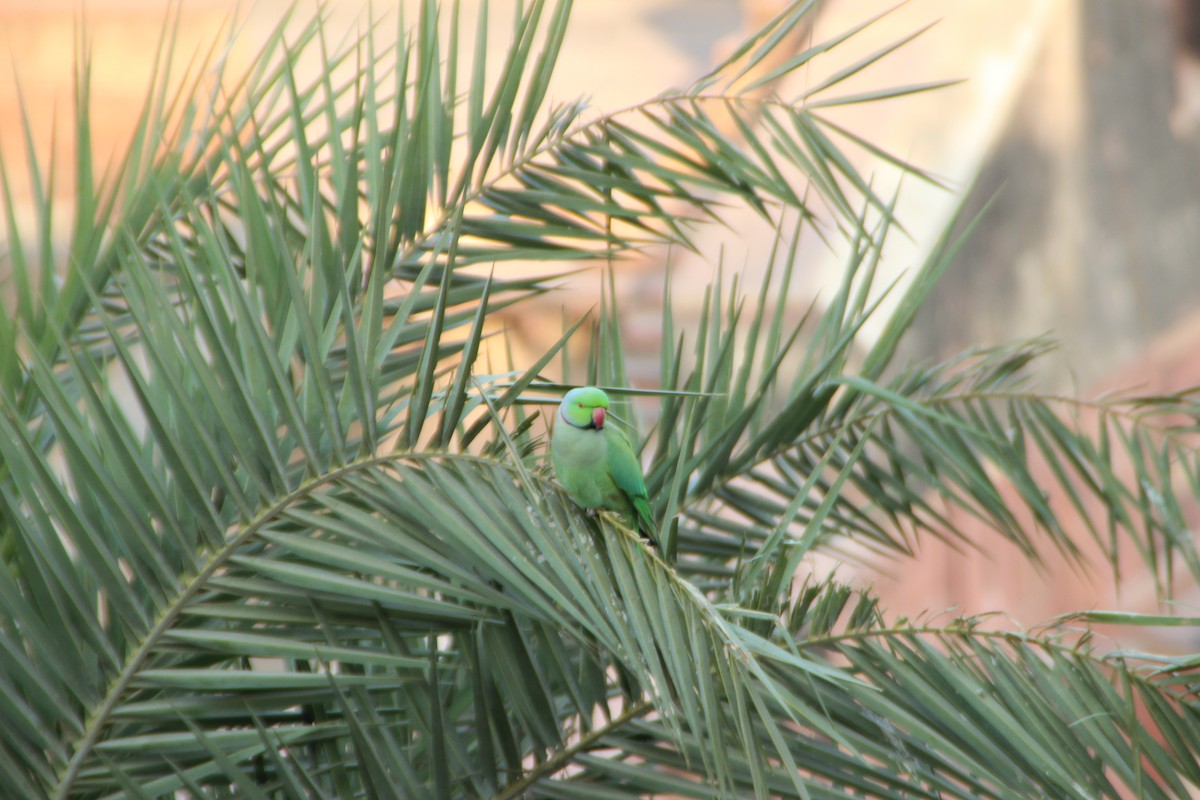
(598, 418)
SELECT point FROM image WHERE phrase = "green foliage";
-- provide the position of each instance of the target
(267, 533)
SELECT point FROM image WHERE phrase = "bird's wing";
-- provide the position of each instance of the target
(626, 473)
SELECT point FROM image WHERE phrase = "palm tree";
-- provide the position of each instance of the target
(269, 530)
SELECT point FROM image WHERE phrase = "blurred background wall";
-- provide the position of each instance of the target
(1078, 119)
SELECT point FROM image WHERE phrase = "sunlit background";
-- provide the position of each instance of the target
(1077, 123)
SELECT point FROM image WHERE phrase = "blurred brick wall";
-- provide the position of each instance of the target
(950, 580)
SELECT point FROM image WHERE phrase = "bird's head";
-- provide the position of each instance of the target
(584, 407)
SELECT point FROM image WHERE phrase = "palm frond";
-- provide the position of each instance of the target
(823, 445)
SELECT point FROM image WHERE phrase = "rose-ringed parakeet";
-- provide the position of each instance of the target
(595, 461)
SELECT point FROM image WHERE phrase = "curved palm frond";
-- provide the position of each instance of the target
(816, 444)
(953, 709)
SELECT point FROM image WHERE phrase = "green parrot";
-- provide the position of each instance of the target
(596, 463)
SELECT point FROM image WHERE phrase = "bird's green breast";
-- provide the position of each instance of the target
(580, 458)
